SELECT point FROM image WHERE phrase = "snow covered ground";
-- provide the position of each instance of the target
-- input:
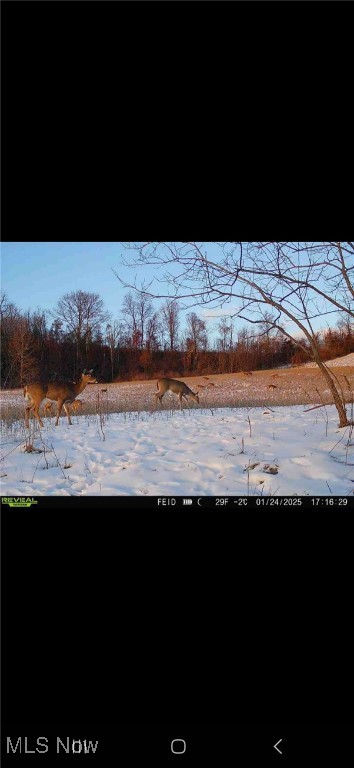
(338, 362)
(199, 451)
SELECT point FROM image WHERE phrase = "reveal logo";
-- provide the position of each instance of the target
(18, 501)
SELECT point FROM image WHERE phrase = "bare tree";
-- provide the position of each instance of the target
(18, 344)
(83, 313)
(196, 331)
(153, 332)
(114, 335)
(21, 350)
(195, 338)
(145, 311)
(9, 315)
(170, 316)
(137, 310)
(285, 286)
(56, 330)
(225, 331)
(131, 318)
(346, 329)
(38, 326)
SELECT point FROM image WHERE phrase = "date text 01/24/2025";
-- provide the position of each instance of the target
(315, 501)
(285, 501)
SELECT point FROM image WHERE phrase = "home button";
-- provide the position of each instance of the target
(178, 746)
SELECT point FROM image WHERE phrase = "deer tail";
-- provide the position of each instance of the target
(25, 391)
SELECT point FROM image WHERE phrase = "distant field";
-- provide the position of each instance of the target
(286, 386)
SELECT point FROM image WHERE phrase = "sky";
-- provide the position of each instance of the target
(36, 275)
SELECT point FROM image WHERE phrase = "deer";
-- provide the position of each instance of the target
(63, 393)
(48, 408)
(177, 387)
(76, 405)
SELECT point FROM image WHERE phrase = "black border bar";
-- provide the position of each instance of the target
(195, 504)
(180, 744)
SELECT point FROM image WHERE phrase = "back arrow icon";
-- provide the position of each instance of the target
(276, 746)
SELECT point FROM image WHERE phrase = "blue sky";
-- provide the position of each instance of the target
(36, 275)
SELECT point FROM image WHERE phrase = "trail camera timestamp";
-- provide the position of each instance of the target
(329, 501)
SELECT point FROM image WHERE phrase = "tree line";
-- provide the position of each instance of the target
(145, 343)
(283, 287)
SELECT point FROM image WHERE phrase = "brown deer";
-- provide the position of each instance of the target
(63, 393)
(76, 405)
(48, 408)
(177, 387)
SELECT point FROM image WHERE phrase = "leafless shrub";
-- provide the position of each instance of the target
(30, 448)
(250, 427)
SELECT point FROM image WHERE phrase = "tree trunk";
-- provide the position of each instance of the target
(337, 399)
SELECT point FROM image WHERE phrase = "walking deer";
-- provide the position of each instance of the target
(177, 387)
(63, 393)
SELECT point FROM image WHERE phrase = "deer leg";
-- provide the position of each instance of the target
(67, 411)
(60, 405)
(35, 411)
(180, 400)
(48, 409)
(159, 397)
(27, 413)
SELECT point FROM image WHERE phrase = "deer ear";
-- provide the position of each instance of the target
(84, 371)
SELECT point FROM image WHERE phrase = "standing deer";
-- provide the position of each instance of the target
(76, 405)
(63, 393)
(177, 387)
